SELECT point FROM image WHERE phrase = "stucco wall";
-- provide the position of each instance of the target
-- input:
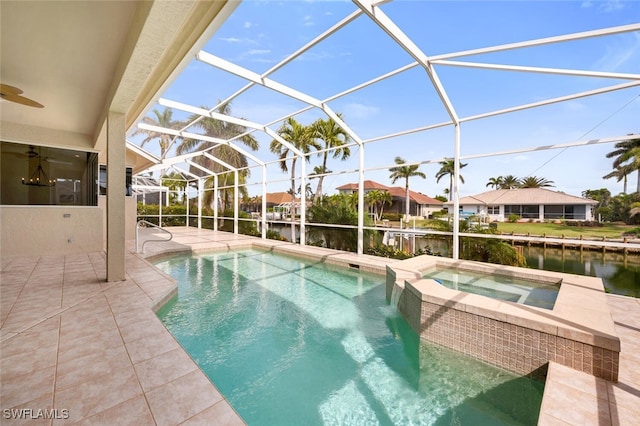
(42, 230)
(130, 216)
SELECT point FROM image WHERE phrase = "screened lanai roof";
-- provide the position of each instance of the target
(522, 88)
(411, 75)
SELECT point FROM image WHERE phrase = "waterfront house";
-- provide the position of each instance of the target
(537, 204)
(419, 204)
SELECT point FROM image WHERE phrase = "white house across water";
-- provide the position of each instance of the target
(536, 204)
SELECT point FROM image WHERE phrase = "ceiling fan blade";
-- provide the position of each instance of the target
(12, 94)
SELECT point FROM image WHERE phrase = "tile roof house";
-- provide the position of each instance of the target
(529, 203)
(419, 204)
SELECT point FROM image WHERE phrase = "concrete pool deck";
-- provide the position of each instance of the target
(96, 353)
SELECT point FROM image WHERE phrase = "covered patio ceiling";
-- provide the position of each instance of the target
(449, 78)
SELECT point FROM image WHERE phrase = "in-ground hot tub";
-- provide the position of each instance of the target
(577, 332)
(538, 293)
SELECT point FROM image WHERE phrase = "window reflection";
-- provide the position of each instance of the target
(74, 174)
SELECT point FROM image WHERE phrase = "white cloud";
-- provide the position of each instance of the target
(574, 105)
(357, 110)
(607, 6)
(619, 53)
(308, 21)
(248, 24)
(318, 56)
(231, 39)
(258, 52)
(611, 6)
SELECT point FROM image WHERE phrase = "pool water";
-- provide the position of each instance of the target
(542, 295)
(292, 342)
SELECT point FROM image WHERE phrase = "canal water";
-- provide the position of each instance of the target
(620, 273)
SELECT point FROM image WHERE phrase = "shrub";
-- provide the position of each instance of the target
(490, 250)
(171, 215)
(584, 223)
(513, 218)
(392, 217)
(275, 235)
(382, 250)
(439, 214)
(245, 227)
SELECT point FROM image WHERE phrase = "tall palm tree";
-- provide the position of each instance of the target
(627, 157)
(403, 171)
(162, 119)
(621, 173)
(176, 183)
(335, 137)
(303, 139)
(317, 171)
(495, 182)
(535, 182)
(510, 182)
(222, 130)
(447, 169)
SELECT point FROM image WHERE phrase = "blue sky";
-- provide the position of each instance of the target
(259, 34)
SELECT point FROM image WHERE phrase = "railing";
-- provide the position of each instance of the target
(153, 225)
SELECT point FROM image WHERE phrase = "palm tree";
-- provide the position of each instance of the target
(222, 130)
(176, 183)
(162, 119)
(510, 182)
(303, 139)
(447, 169)
(535, 182)
(627, 158)
(495, 182)
(378, 199)
(620, 173)
(334, 137)
(403, 171)
(317, 171)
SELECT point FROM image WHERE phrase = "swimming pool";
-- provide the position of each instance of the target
(540, 294)
(289, 341)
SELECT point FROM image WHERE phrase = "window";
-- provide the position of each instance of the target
(569, 211)
(52, 176)
(493, 209)
(524, 211)
(102, 182)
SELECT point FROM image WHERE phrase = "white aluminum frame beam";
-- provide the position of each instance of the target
(552, 101)
(197, 136)
(342, 23)
(393, 31)
(539, 70)
(539, 42)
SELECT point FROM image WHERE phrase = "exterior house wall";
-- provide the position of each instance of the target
(51, 230)
(482, 210)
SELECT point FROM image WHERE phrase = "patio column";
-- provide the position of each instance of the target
(116, 156)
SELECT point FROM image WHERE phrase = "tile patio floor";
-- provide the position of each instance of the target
(96, 352)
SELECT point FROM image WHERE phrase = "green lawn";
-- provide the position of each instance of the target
(557, 230)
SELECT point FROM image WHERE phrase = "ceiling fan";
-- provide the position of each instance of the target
(32, 153)
(13, 94)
